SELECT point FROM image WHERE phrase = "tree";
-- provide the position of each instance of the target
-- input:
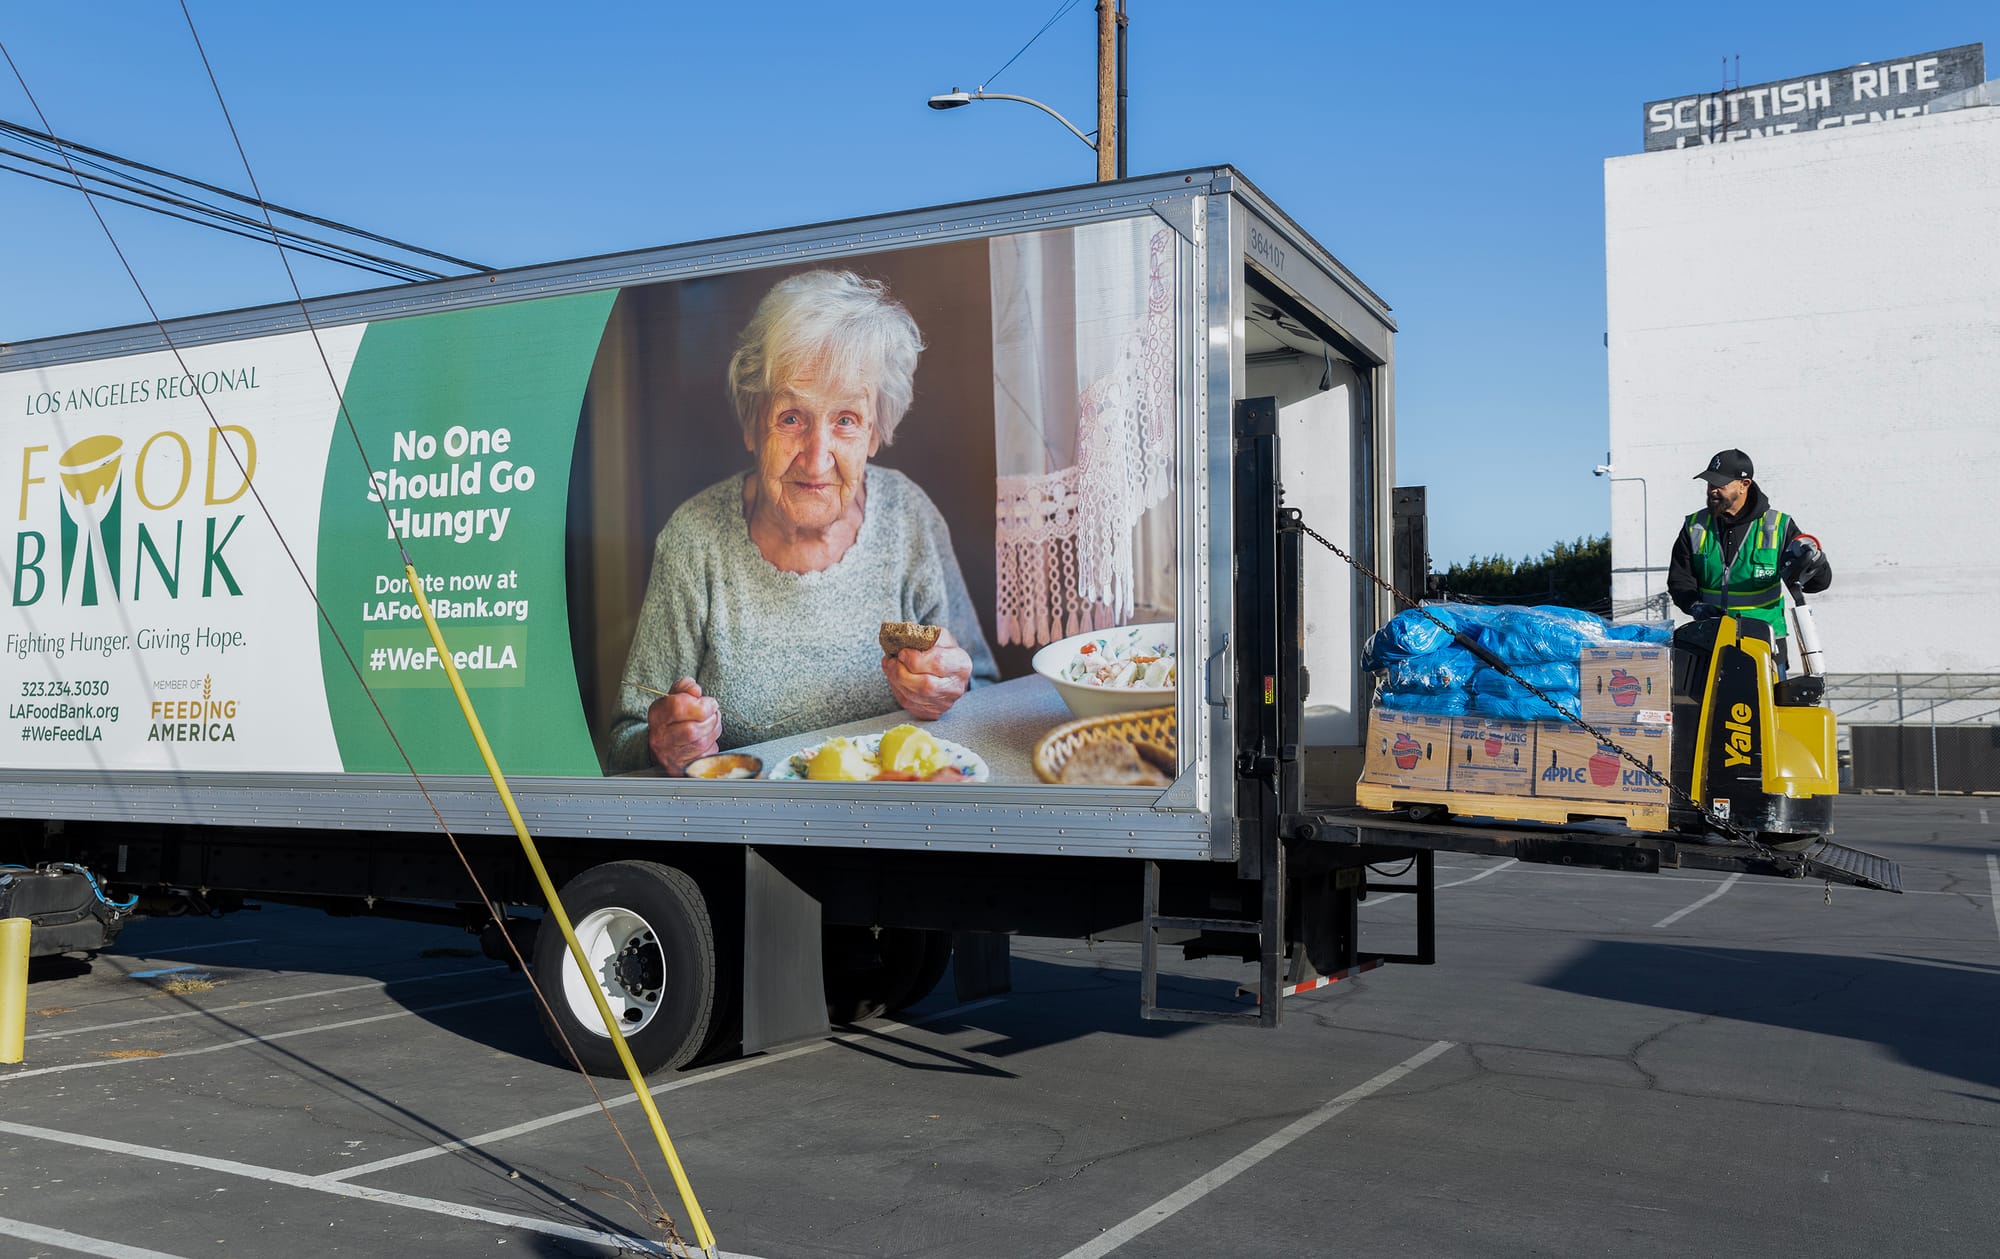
(1573, 574)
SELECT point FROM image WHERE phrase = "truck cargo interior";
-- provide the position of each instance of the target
(1327, 448)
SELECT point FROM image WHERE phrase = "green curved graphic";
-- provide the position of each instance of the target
(450, 409)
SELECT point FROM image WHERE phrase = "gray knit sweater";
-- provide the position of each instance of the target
(785, 653)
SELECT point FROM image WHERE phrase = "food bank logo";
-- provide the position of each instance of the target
(92, 504)
(210, 719)
(125, 525)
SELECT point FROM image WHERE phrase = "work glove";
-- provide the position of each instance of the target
(1704, 611)
(1801, 561)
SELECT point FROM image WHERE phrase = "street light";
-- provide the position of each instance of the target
(955, 98)
(1645, 526)
(1110, 143)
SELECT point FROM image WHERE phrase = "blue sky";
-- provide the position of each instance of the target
(1451, 154)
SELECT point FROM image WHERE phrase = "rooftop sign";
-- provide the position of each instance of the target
(1874, 91)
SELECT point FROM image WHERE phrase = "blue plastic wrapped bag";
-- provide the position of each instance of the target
(1522, 707)
(1539, 635)
(1405, 636)
(1449, 668)
(1452, 703)
(1516, 635)
(1649, 633)
(1549, 677)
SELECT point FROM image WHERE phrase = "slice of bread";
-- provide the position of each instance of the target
(1158, 755)
(1110, 763)
(897, 635)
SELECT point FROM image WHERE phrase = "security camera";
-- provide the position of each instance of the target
(1601, 469)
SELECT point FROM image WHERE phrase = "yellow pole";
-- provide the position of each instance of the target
(704, 1236)
(13, 989)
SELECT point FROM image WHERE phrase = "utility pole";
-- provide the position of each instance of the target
(1109, 92)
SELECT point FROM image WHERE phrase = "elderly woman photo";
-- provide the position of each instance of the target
(767, 589)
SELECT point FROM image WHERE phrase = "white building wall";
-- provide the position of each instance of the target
(1829, 303)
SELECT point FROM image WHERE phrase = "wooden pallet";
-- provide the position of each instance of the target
(1637, 816)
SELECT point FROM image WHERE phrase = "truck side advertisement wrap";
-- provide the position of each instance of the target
(469, 419)
(654, 522)
(154, 621)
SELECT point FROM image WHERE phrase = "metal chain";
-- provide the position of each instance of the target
(1723, 825)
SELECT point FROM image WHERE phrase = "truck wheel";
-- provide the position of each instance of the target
(937, 958)
(646, 932)
(870, 971)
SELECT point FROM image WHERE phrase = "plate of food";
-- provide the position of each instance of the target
(1113, 670)
(905, 753)
(724, 766)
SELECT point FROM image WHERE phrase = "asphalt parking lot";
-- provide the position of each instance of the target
(1690, 1063)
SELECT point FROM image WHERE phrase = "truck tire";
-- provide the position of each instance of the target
(870, 971)
(646, 931)
(937, 959)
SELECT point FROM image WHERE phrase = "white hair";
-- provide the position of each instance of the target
(834, 324)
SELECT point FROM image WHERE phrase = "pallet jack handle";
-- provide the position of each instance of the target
(1811, 660)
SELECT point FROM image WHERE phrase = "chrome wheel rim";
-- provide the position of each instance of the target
(626, 964)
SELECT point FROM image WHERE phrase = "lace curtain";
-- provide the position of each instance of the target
(1083, 394)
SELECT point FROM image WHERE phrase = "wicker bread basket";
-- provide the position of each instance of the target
(1153, 725)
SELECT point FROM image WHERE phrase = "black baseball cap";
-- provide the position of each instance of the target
(1727, 466)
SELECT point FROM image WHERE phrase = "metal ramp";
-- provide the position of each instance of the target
(1837, 863)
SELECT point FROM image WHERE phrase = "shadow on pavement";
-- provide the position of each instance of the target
(1939, 1017)
(1052, 1003)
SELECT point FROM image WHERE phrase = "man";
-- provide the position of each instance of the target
(1735, 555)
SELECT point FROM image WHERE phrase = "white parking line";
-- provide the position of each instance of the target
(1112, 1238)
(1679, 914)
(297, 1180)
(76, 1241)
(336, 1182)
(257, 1040)
(1983, 819)
(1486, 873)
(1993, 878)
(376, 985)
(688, 1081)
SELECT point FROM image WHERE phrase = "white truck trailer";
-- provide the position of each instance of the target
(217, 690)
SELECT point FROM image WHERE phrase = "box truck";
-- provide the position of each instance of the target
(1043, 434)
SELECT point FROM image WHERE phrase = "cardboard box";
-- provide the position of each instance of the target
(1407, 750)
(1627, 685)
(1570, 764)
(1493, 757)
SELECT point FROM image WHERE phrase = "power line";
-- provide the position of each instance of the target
(1061, 12)
(60, 147)
(209, 223)
(220, 219)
